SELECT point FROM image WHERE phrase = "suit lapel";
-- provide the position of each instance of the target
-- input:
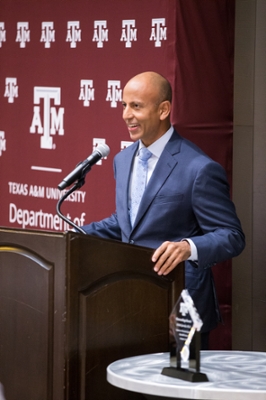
(164, 167)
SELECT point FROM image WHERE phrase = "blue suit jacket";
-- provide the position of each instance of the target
(187, 197)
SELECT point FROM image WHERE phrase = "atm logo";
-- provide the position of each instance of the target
(53, 117)
(23, 34)
(86, 91)
(2, 142)
(100, 33)
(129, 32)
(114, 93)
(158, 31)
(48, 34)
(2, 33)
(11, 89)
(73, 33)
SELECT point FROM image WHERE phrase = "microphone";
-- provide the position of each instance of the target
(102, 150)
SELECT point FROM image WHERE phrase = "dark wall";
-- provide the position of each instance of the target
(249, 187)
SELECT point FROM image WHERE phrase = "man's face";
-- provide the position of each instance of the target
(141, 111)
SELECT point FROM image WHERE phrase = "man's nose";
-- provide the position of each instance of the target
(127, 113)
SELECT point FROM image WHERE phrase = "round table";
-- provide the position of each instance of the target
(233, 375)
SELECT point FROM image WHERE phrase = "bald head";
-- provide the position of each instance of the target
(155, 83)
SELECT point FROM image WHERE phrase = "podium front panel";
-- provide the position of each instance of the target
(71, 304)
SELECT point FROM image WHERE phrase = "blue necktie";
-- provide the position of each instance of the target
(139, 182)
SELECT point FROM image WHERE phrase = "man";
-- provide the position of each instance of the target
(185, 213)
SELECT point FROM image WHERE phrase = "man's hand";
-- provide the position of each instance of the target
(169, 255)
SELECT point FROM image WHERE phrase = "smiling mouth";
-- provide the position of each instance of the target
(132, 126)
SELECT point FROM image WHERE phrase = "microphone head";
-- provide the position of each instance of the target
(103, 149)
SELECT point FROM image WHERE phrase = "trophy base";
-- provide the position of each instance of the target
(185, 374)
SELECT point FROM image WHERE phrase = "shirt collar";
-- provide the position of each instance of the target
(158, 146)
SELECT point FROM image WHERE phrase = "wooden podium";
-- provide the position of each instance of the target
(70, 304)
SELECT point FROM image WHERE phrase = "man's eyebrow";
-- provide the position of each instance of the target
(132, 103)
(136, 102)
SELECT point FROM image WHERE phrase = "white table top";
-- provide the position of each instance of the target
(233, 375)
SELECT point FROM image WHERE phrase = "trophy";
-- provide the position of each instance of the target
(185, 325)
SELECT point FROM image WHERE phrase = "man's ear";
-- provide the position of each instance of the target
(164, 109)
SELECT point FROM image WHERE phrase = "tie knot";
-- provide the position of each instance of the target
(144, 154)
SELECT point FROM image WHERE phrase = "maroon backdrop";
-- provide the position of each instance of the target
(63, 65)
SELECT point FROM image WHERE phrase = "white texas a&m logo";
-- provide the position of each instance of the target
(48, 34)
(128, 33)
(114, 93)
(158, 31)
(2, 33)
(23, 33)
(2, 142)
(11, 89)
(53, 118)
(86, 91)
(100, 34)
(73, 33)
